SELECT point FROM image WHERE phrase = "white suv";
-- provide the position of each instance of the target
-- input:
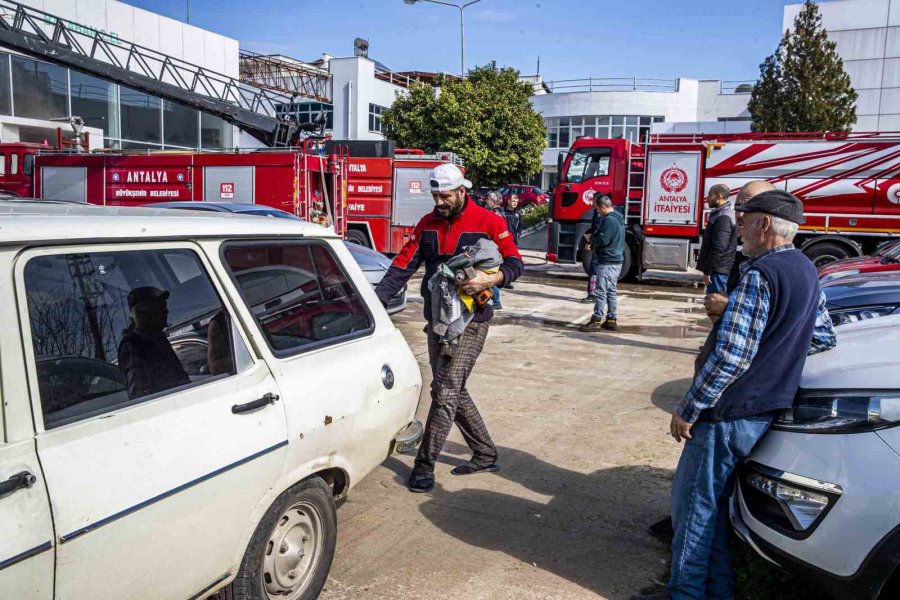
(184, 396)
(821, 491)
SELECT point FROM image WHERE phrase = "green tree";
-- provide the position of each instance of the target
(803, 86)
(487, 119)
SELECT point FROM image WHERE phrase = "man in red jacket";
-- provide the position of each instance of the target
(455, 223)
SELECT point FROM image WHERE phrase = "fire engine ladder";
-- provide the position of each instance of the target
(634, 195)
(63, 42)
(285, 76)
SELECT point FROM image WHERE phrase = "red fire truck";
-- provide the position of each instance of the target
(849, 184)
(305, 181)
(387, 192)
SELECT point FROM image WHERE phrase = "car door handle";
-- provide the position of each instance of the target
(256, 404)
(23, 480)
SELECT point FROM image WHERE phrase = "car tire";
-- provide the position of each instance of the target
(290, 553)
(358, 237)
(826, 252)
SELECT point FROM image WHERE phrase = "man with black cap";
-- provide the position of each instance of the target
(774, 318)
(454, 224)
(146, 357)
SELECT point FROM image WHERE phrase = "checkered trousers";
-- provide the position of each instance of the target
(451, 402)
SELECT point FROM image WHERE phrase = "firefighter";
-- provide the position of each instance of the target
(456, 222)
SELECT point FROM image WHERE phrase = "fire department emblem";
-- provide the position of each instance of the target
(180, 177)
(673, 179)
(116, 176)
(588, 196)
(893, 194)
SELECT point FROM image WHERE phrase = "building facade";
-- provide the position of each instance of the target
(36, 95)
(867, 34)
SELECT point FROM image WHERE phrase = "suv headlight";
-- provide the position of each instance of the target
(817, 411)
(854, 315)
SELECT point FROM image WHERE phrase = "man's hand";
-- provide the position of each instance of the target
(715, 305)
(679, 428)
(707, 279)
(482, 281)
(588, 247)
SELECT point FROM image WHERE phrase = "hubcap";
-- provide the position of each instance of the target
(292, 553)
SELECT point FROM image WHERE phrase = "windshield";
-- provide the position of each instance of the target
(587, 163)
(891, 254)
(269, 212)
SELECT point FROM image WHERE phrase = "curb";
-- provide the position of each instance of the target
(533, 229)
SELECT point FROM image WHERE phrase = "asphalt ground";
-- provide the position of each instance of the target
(581, 422)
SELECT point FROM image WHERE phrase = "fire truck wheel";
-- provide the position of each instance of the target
(826, 252)
(626, 274)
(358, 237)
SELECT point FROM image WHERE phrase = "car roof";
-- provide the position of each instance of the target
(863, 290)
(867, 356)
(36, 222)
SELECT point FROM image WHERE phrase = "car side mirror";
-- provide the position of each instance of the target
(560, 159)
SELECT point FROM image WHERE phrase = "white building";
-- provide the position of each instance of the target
(629, 108)
(33, 91)
(867, 34)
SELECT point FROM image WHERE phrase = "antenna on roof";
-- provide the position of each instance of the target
(539, 65)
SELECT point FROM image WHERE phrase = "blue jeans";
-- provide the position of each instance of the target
(704, 480)
(718, 284)
(496, 297)
(603, 280)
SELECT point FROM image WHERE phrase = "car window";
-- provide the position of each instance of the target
(13, 164)
(110, 329)
(367, 258)
(298, 293)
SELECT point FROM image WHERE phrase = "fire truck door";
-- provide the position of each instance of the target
(412, 195)
(228, 184)
(64, 183)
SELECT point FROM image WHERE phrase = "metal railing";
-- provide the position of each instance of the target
(736, 87)
(286, 76)
(609, 84)
(394, 78)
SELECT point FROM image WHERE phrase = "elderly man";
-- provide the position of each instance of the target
(455, 223)
(719, 241)
(775, 317)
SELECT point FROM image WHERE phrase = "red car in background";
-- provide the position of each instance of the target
(886, 258)
(528, 194)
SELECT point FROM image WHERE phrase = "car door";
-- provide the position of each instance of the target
(153, 471)
(328, 357)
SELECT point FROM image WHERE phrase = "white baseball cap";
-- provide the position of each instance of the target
(447, 177)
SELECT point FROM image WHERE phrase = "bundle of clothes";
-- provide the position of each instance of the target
(452, 309)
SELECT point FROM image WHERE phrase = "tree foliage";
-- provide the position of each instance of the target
(803, 85)
(487, 119)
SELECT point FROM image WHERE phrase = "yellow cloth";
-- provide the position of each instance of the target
(468, 300)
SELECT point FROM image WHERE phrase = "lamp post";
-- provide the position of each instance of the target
(462, 27)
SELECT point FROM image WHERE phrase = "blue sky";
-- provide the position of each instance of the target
(718, 39)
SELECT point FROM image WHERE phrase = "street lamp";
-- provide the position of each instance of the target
(462, 27)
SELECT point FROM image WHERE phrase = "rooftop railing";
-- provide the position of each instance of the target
(736, 87)
(609, 84)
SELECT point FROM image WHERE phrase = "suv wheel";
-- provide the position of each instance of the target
(290, 553)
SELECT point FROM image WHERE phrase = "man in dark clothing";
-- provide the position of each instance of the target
(145, 354)
(439, 235)
(495, 204)
(775, 317)
(719, 241)
(513, 218)
(608, 247)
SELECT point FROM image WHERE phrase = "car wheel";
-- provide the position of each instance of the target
(826, 252)
(358, 237)
(290, 553)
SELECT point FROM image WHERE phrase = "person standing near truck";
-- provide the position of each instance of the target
(608, 247)
(719, 243)
(494, 204)
(455, 223)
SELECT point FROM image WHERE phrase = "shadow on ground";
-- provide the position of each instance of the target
(589, 528)
(669, 395)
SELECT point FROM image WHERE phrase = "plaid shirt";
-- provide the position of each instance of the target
(738, 339)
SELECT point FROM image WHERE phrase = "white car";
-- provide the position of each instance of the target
(821, 491)
(185, 396)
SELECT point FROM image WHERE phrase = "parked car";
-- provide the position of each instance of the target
(886, 258)
(373, 263)
(529, 195)
(860, 297)
(480, 194)
(820, 492)
(188, 397)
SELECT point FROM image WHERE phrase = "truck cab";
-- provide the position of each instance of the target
(591, 166)
(17, 167)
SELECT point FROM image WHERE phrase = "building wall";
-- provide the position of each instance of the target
(867, 34)
(355, 87)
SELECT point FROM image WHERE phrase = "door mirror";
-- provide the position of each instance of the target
(560, 159)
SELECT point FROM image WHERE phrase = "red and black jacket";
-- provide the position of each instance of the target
(437, 239)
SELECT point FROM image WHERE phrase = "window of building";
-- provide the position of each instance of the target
(180, 125)
(40, 90)
(5, 92)
(110, 329)
(141, 116)
(306, 112)
(375, 113)
(563, 131)
(215, 133)
(298, 293)
(94, 100)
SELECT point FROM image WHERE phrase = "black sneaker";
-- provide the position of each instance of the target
(592, 325)
(420, 482)
(587, 300)
(610, 325)
(664, 530)
(498, 306)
